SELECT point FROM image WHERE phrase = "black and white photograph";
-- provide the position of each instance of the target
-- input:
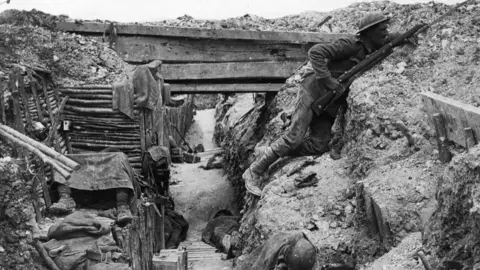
(239, 135)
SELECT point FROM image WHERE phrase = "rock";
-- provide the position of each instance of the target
(400, 257)
(2, 250)
(349, 209)
(11, 239)
(55, 58)
(454, 223)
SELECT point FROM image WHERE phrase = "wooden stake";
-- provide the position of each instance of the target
(43, 253)
(43, 182)
(3, 118)
(470, 140)
(17, 113)
(444, 153)
(37, 101)
(24, 97)
(53, 134)
(36, 207)
(424, 260)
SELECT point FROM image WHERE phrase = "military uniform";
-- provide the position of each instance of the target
(327, 60)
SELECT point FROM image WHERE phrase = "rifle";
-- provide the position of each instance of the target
(346, 79)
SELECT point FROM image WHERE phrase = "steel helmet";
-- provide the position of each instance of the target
(371, 19)
(301, 256)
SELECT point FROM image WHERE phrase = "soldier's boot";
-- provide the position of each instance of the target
(253, 176)
(65, 204)
(124, 215)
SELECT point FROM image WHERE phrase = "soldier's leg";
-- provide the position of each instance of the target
(65, 204)
(174, 239)
(301, 119)
(317, 143)
(124, 215)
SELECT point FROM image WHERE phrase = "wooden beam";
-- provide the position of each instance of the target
(141, 49)
(17, 112)
(3, 117)
(225, 88)
(470, 140)
(457, 115)
(232, 70)
(144, 30)
(443, 143)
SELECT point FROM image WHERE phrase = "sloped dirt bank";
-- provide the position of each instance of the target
(386, 180)
(16, 212)
(453, 233)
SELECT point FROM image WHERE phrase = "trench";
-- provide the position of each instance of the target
(199, 194)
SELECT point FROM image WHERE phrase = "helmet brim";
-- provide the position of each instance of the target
(373, 24)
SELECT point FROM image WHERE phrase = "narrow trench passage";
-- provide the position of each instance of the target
(200, 193)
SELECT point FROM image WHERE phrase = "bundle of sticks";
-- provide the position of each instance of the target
(62, 164)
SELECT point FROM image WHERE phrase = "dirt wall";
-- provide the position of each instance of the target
(387, 177)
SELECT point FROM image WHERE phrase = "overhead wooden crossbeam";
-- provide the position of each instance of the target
(235, 70)
(143, 49)
(145, 30)
(224, 88)
(457, 116)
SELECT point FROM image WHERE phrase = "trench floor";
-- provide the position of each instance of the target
(198, 195)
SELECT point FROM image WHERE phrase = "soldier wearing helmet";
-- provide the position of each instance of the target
(328, 62)
(283, 251)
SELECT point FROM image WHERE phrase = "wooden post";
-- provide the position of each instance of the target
(37, 101)
(17, 112)
(43, 182)
(162, 227)
(56, 93)
(36, 207)
(470, 140)
(444, 153)
(3, 118)
(24, 97)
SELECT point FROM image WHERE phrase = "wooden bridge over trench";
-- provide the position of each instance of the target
(207, 60)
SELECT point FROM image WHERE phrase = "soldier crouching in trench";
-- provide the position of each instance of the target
(328, 61)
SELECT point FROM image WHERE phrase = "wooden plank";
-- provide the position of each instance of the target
(225, 88)
(17, 112)
(46, 191)
(144, 30)
(37, 101)
(457, 115)
(24, 97)
(148, 129)
(3, 117)
(141, 49)
(143, 142)
(444, 152)
(470, 140)
(231, 70)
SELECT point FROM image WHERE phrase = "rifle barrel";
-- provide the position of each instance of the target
(443, 15)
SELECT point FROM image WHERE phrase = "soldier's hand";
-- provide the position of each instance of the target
(412, 40)
(331, 84)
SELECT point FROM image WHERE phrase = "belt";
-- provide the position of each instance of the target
(105, 257)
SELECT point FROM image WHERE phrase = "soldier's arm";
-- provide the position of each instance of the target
(413, 40)
(320, 54)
